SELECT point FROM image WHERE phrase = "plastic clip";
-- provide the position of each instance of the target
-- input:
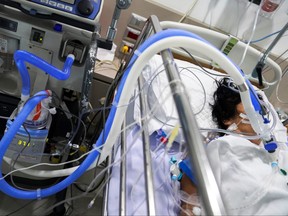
(270, 147)
(175, 172)
(137, 53)
(38, 191)
(114, 103)
(161, 136)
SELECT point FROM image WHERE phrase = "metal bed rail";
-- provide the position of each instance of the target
(207, 185)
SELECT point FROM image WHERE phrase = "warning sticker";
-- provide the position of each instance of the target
(3, 45)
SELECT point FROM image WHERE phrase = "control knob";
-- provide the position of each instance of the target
(85, 7)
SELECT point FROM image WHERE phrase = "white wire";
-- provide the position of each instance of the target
(277, 90)
(96, 177)
(242, 15)
(252, 34)
(4, 117)
(100, 64)
(188, 12)
(212, 12)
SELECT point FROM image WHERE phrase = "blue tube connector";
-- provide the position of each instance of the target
(21, 56)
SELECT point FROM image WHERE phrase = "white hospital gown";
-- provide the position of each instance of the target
(245, 177)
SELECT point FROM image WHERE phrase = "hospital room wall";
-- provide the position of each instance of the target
(140, 7)
(145, 9)
(217, 16)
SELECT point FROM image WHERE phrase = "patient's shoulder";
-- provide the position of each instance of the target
(230, 146)
(231, 141)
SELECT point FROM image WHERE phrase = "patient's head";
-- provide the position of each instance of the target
(228, 111)
(225, 103)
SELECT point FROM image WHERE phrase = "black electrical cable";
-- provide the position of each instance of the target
(199, 64)
(25, 205)
(55, 96)
(78, 130)
(22, 207)
(93, 118)
(77, 117)
(108, 100)
(92, 189)
(150, 106)
(58, 106)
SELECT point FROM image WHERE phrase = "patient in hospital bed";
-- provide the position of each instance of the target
(242, 168)
(251, 180)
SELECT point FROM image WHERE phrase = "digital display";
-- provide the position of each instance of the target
(8, 24)
(68, 1)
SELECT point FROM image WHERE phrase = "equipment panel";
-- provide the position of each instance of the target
(84, 14)
(83, 8)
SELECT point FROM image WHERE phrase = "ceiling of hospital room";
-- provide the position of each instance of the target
(234, 17)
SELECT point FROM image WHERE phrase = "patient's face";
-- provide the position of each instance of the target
(242, 124)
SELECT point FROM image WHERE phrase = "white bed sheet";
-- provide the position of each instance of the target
(161, 101)
(245, 177)
(244, 174)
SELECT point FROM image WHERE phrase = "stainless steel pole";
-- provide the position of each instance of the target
(150, 198)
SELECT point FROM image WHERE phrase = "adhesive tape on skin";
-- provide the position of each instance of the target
(242, 115)
(245, 121)
(232, 127)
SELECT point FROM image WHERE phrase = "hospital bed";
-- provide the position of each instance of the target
(143, 183)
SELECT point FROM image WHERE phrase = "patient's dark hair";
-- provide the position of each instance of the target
(225, 101)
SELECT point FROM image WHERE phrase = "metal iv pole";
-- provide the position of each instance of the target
(260, 65)
(108, 42)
